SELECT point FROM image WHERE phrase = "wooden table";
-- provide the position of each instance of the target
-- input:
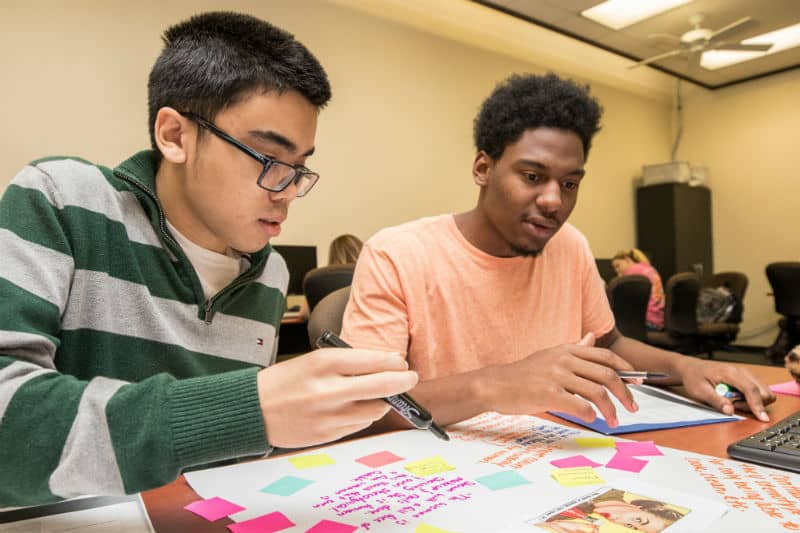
(165, 505)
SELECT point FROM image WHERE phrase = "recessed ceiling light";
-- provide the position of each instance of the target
(781, 39)
(617, 14)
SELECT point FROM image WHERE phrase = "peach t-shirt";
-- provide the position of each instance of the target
(423, 290)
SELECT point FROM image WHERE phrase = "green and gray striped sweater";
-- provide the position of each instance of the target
(115, 372)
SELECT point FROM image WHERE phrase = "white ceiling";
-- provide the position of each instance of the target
(633, 42)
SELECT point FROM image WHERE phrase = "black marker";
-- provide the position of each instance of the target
(402, 403)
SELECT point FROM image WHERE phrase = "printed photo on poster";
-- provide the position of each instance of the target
(612, 510)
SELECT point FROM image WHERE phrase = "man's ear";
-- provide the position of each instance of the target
(174, 135)
(480, 168)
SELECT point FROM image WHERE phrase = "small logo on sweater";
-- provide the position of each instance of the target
(260, 341)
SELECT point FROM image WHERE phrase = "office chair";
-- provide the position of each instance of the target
(629, 296)
(320, 282)
(717, 335)
(328, 314)
(784, 278)
(680, 315)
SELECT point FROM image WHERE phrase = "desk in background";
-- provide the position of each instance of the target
(165, 505)
(293, 335)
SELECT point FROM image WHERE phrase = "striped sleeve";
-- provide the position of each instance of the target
(61, 436)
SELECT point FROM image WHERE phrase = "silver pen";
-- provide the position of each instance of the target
(640, 374)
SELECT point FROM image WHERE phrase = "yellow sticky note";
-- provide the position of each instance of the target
(595, 442)
(429, 466)
(311, 461)
(425, 528)
(575, 477)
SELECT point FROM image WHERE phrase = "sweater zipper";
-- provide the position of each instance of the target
(208, 313)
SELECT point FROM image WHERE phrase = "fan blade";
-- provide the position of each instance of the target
(669, 36)
(744, 47)
(657, 58)
(725, 30)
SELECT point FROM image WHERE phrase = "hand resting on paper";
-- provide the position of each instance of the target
(328, 394)
(700, 378)
(548, 380)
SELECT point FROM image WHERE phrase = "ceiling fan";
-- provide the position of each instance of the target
(699, 39)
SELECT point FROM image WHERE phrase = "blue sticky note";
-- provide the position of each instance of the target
(287, 485)
(502, 480)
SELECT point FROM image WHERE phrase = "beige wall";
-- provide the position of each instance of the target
(747, 135)
(395, 143)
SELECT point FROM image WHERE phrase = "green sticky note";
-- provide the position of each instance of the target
(595, 442)
(302, 462)
(286, 486)
(502, 480)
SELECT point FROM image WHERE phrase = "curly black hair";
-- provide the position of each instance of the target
(524, 102)
(212, 60)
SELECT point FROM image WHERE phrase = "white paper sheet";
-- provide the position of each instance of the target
(387, 498)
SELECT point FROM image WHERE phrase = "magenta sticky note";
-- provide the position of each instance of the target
(214, 508)
(647, 447)
(329, 526)
(573, 461)
(379, 459)
(790, 387)
(263, 524)
(621, 461)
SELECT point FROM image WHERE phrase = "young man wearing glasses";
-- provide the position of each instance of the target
(498, 308)
(139, 305)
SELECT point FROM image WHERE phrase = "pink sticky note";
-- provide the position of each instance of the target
(790, 387)
(620, 461)
(379, 459)
(263, 524)
(328, 526)
(647, 447)
(214, 508)
(573, 461)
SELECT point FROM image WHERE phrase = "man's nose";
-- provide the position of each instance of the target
(286, 196)
(549, 198)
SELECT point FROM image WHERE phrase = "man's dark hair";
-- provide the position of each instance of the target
(525, 102)
(213, 60)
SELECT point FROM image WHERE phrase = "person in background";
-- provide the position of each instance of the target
(635, 262)
(344, 250)
(139, 305)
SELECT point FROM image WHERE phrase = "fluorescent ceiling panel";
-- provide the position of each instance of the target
(781, 39)
(617, 14)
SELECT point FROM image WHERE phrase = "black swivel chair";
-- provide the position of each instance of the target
(717, 335)
(322, 281)
(629, 296)
(680, 315)
(785, 281)
(328, 314)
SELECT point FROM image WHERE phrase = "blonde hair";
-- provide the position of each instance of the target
(344, 249)
(634, 254)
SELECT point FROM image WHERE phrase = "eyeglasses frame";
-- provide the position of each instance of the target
(265, 160)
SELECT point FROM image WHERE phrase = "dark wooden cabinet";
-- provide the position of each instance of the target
(673, 227)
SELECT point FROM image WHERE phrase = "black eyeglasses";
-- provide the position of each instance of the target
(276, 175)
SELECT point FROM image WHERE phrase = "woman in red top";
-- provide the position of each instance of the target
(633, 261)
